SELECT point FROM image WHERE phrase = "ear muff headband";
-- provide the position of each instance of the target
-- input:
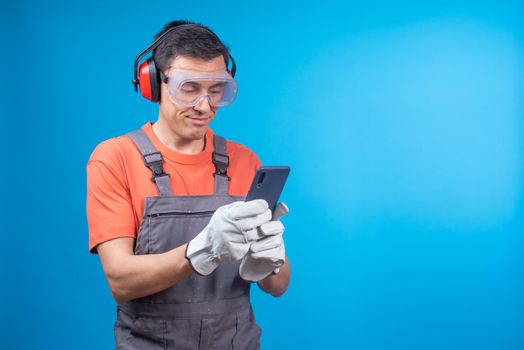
(146, 76)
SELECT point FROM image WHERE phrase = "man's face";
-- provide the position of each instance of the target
(189, 123)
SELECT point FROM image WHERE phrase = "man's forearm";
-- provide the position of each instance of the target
(133, 276)
(277, 284)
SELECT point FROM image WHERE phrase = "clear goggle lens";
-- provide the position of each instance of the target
(189, 88)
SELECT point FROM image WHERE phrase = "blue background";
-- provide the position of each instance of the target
(402, 123)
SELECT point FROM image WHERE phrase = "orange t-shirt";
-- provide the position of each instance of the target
(118, 180)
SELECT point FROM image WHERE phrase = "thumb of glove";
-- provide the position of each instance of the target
(280, 211)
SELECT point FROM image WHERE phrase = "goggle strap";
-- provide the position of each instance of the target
(164, 78)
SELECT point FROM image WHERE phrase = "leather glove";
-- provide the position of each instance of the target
(268, 253)
(228, 235)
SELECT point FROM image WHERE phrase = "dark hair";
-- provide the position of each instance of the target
(196, 41)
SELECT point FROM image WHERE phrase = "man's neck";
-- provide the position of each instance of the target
(176, 142)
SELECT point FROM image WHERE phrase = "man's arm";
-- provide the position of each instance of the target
(276, 285)
(132, 276)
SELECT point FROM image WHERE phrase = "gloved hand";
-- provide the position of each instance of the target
(228, 235)
(268, 253)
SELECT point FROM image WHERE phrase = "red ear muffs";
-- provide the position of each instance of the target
(149, 81)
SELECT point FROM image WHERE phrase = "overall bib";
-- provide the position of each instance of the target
(199, 312)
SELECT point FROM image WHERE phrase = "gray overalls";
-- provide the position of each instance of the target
(200, 312)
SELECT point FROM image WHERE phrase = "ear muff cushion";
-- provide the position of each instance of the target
(148, 78)
(144, 80)
(154, 81)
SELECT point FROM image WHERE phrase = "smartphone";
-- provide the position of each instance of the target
(268, 184)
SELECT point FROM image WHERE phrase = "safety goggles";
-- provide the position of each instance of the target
(187, 88)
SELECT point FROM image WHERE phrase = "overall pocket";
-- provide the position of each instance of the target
(170, 230)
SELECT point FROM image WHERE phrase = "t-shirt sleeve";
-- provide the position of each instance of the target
(109, 208)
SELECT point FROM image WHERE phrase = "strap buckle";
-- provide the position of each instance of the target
(221, 174)
(155, 162)
(156, 176)
(221, 162)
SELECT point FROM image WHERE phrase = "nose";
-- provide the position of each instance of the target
(203, 104)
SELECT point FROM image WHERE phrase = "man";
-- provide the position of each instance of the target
(178, 246)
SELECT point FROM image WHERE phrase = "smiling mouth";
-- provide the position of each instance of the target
(198, 120)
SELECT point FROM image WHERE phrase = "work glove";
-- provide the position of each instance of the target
(228, 235)
(267, 254)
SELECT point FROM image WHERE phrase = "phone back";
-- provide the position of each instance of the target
(268, 184)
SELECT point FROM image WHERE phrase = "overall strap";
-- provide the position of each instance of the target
(153, 160)
(221, 161)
